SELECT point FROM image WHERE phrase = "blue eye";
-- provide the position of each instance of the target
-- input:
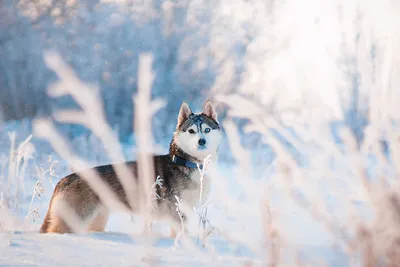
(207, 130)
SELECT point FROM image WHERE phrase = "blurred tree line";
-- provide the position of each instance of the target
(102, 41)
(322, 59)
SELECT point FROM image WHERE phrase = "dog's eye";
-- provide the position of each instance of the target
(191, 131)
(207, 130)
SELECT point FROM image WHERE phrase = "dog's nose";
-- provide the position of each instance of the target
(202, 142)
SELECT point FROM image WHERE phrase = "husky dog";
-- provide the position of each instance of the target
(197, 136)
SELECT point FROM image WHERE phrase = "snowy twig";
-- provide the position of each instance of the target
(200, 209)
(48, 174)
(38, 191)
(156, 196)
(91, 115)
(178, 205)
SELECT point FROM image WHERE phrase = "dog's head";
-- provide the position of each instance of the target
(198, 134)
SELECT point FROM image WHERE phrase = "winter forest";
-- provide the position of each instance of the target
(305, 93)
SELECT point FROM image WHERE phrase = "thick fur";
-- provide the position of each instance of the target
(178, 180)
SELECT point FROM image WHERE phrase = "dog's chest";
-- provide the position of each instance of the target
(191, 194)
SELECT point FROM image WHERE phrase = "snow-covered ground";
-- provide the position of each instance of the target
(112, 249)
(120, 249)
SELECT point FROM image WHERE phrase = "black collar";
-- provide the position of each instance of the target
(183, 162)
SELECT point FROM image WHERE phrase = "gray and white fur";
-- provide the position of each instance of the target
(197, 136)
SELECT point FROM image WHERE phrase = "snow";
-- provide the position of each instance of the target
(107, 249)
(114, 248)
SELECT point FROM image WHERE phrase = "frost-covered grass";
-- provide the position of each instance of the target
(238, 218)
(313, 85)
(320, 210)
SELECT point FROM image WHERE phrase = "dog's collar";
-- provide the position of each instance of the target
(183, 162)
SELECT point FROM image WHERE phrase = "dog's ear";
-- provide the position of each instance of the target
(184, 113)
(209, 110)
